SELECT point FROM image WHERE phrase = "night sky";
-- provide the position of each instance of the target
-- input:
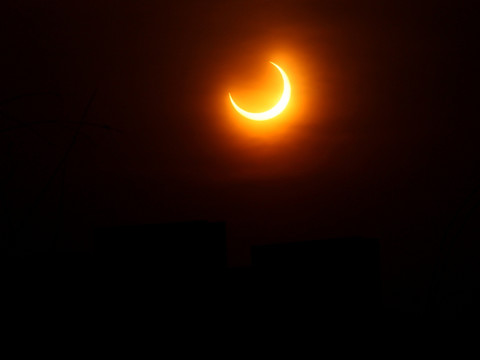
(117, 112)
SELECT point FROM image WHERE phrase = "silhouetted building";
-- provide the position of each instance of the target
(334, 278)
(183, 245)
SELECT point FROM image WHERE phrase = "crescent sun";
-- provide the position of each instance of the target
(274, 111)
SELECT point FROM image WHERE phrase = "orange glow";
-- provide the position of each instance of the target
(256, 86)
(273, 147)
(275, 110)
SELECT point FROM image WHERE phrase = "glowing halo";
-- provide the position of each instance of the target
(274, 111)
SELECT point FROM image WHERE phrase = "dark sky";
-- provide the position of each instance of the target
(380, 140)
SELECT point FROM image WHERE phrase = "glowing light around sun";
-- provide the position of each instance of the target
(274, 111)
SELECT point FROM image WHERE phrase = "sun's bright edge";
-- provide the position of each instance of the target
(274, 111)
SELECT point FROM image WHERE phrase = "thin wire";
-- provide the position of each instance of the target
(61, 163)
